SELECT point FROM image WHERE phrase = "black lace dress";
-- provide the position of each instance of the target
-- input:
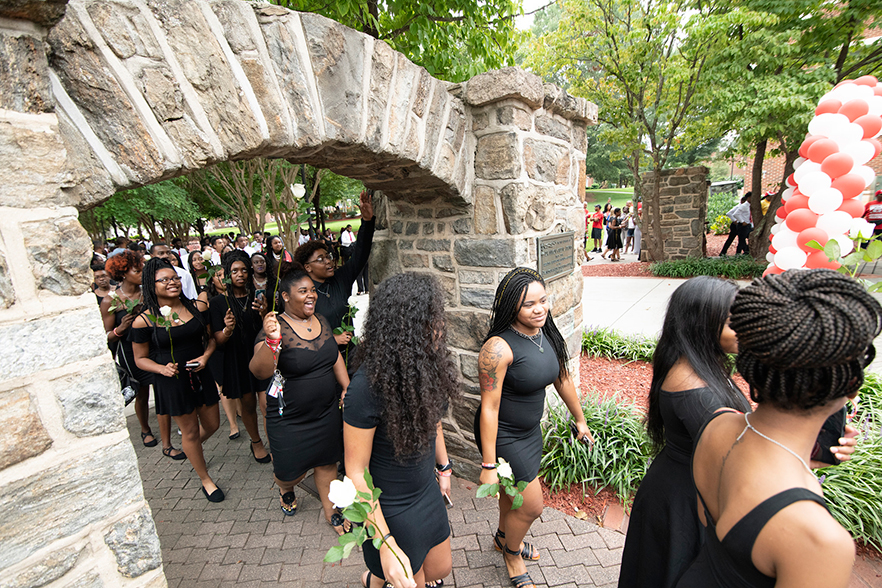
(309, 430)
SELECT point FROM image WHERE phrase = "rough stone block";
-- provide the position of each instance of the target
(135, 544)
(90, 579)
(21, 432)
(484, 252)
(411, 260)
(44, 12)
(526, 207)
(509, 82)
(440, 228)
(38, 345)
(546, 162)
(464, 411)
(558, 101)
(467, 329)
(91, 402)
(428, 228)
(485, 210)
(547, 125)
(580, 137)
(434, 133)
(480, 121)
(24, 79)
(462, 226)
(449, 212)
(405, 245)
(412, 228)
(477, 297)
(433, 244)
(511, 115)
(59, 251)
(384, 260)
(498, 157)
(7, 292)
(400, 97)
(443, 263)
(46, 570)
(469, 365)
(425, 213)
(397, 227)
(87, 181)
(382, 68)
(476, 277)
(62, 500)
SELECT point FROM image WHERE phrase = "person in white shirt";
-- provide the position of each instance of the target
(347, 240)
(162, 251)
(242, 243)
(304, 237)
(740, 226)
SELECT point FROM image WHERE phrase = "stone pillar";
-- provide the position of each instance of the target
(683, 197)
(72, 508)
(528, 148)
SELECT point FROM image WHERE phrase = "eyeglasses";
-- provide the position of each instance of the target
(167, 280)
(323, 258)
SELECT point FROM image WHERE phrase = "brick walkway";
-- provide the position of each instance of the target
(247, 542)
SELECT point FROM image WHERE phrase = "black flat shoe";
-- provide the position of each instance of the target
(265, 459)
(153, 443)
(234, 435)
(216, 496)
(167, 451)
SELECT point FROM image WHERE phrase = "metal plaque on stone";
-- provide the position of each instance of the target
(556, 255)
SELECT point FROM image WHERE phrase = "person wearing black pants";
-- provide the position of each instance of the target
(739, 227)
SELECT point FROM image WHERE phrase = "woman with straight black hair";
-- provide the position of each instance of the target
(522, 354)
(177, 357)
(198, 271)
(392, 426)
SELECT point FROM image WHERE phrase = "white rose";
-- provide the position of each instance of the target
(352, 301)
(503, 470)
(861, 228)
(114, 294)
(342, 494)
(165, 311)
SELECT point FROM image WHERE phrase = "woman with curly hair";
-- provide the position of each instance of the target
(177, 357)
(125, 268)
(303, 420)
(804, 340)
(522, 354)
(392, 426)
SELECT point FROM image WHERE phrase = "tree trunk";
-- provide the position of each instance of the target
(759, 238)
(655, 244)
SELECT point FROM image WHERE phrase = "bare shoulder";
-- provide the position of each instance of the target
(494, 352)
(682, 377)
(141, 321)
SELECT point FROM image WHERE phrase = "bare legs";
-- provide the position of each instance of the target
(231, 409)
(142, 411)
(516, 523)
(249, 419)
(323, 476)
(436, 566)
(196, 427)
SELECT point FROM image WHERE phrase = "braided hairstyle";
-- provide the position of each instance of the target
(510, 296)
(404, 355)
(149, 300)
(242, 313)
(804, 337)
(693, 325)
(290, 272)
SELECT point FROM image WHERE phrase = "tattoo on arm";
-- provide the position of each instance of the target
(488, 363)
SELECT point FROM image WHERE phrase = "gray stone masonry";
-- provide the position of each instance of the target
(683, 196)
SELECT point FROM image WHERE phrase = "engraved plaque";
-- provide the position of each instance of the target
(556, 255)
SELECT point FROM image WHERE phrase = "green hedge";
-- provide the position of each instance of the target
(604, 342)
(740, 267)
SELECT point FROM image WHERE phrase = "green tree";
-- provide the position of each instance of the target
(603, 162)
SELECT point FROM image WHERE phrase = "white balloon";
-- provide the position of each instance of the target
(845, 92)
(875, 105)
(826, 200)
(846, 245)
(798, 162)
(807, 168)
(865, 92)
(770, 257)
(827, 123)
(861, 152)
(783, 239)
(786, 194)
(867, 174)
(778, 220)
(846, 134)
(813, 182)
(776, 227)
(834, 223)
(790, 258)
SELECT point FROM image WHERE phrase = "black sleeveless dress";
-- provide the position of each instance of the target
(234, 374)
(411, 499)
(125, 355)
(190, 390)
(309, 432)
(664, 533)
(519, 436)
(727, 563)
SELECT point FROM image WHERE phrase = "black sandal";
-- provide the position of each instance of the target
(289, 503)
(265, 459)
(153, 443)
(524, 580)
(337, 520)
(527, 552)
(366, 581)
(167, 451)
(435, 584)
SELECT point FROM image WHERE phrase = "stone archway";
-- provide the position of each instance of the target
(123, 93)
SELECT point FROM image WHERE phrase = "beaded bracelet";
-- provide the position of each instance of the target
(445, 474)
(118, 336)
(489, 466)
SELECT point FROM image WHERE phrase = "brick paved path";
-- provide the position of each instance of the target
(247, 542)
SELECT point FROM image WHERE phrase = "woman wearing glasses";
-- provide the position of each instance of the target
(177, 356)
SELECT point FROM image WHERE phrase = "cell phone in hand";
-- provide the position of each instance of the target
(575, 431)
(192, 364)
(833, 429)
(447, 501)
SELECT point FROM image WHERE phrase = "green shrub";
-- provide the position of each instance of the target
(604, 342)
(718, 205)
(720, 225)
(740, 267)
(853, 488)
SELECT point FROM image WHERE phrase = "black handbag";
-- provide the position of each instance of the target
(129, 386)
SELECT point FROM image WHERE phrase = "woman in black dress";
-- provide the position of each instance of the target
(392, 427)
(805, 338)
(177, 358)
(197, 270)
(303, 420)
(614, 235)
(523, 353)
(236, 318)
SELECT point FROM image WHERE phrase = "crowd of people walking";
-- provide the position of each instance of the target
(729, 500)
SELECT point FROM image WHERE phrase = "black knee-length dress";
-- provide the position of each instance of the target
(309, 432)
(125, 355)
(411, 498)
(234, 374)
(519, 436)
(190, 390)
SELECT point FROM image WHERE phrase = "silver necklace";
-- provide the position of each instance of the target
(530, 339)
(781, 445)
(304, 321)
(320, 291)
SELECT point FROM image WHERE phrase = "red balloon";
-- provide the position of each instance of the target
(854, 108)
(772, 247)
(781, 213)
(808, 142)
(772, 269)
(812, 234)
(877, 90)
(850, 185)
(830, 105)
(795, 202)
(871, 124)
(818, 260)
(866, 81)
(838, 164)
(852, 206)
(791, 181)
(821, 150)
(801, 219)
(877, 146)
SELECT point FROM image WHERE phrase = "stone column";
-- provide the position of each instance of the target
(683, 197)
(527, 142)
(72, 508)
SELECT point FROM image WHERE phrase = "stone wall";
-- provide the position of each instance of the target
(118, 94)
(683, 204)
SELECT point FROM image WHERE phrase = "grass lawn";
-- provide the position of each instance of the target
(273, 228)
(617, 196)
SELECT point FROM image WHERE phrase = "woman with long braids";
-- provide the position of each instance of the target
(196, 265)
(125, 268)
(177, 357)
(303, 420)
(804, 340)
(236, 318)
(690, 382)
(522, 354)
(392, 426)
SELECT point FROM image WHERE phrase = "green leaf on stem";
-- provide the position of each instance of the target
(376, 494)
(815, 245)
(517, 501)
(378, 541)
(355, 516)
(522, 485)
(334, 554)
(346, 538)
(511, 490)
(874, 249)
(368, 479)
(363, 495)
(832, 250)
(485, 490)
(347, 549)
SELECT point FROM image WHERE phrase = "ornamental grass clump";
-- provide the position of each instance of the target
(619, 457)
(604, 342)
(740, 267)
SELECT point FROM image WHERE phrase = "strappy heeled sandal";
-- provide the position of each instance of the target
(337, 520)
(289, 503)
(527, 552)
(366, 581)
(524, 580)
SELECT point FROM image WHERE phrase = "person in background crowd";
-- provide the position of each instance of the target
(766, 201)
(739, 227)
(873, 212)
(217, 244)
(276, 252)
(197, 270)
(162, 251)
(614, 236)
(174, 258)
(330, 242)
(264, 276)
(304, 237)
(100, 282)
(242, 244)
(99, 254)
(597, 229)
(121, 245)
(256, 243)
(630, 228)
(347, 240)
(193, 244)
